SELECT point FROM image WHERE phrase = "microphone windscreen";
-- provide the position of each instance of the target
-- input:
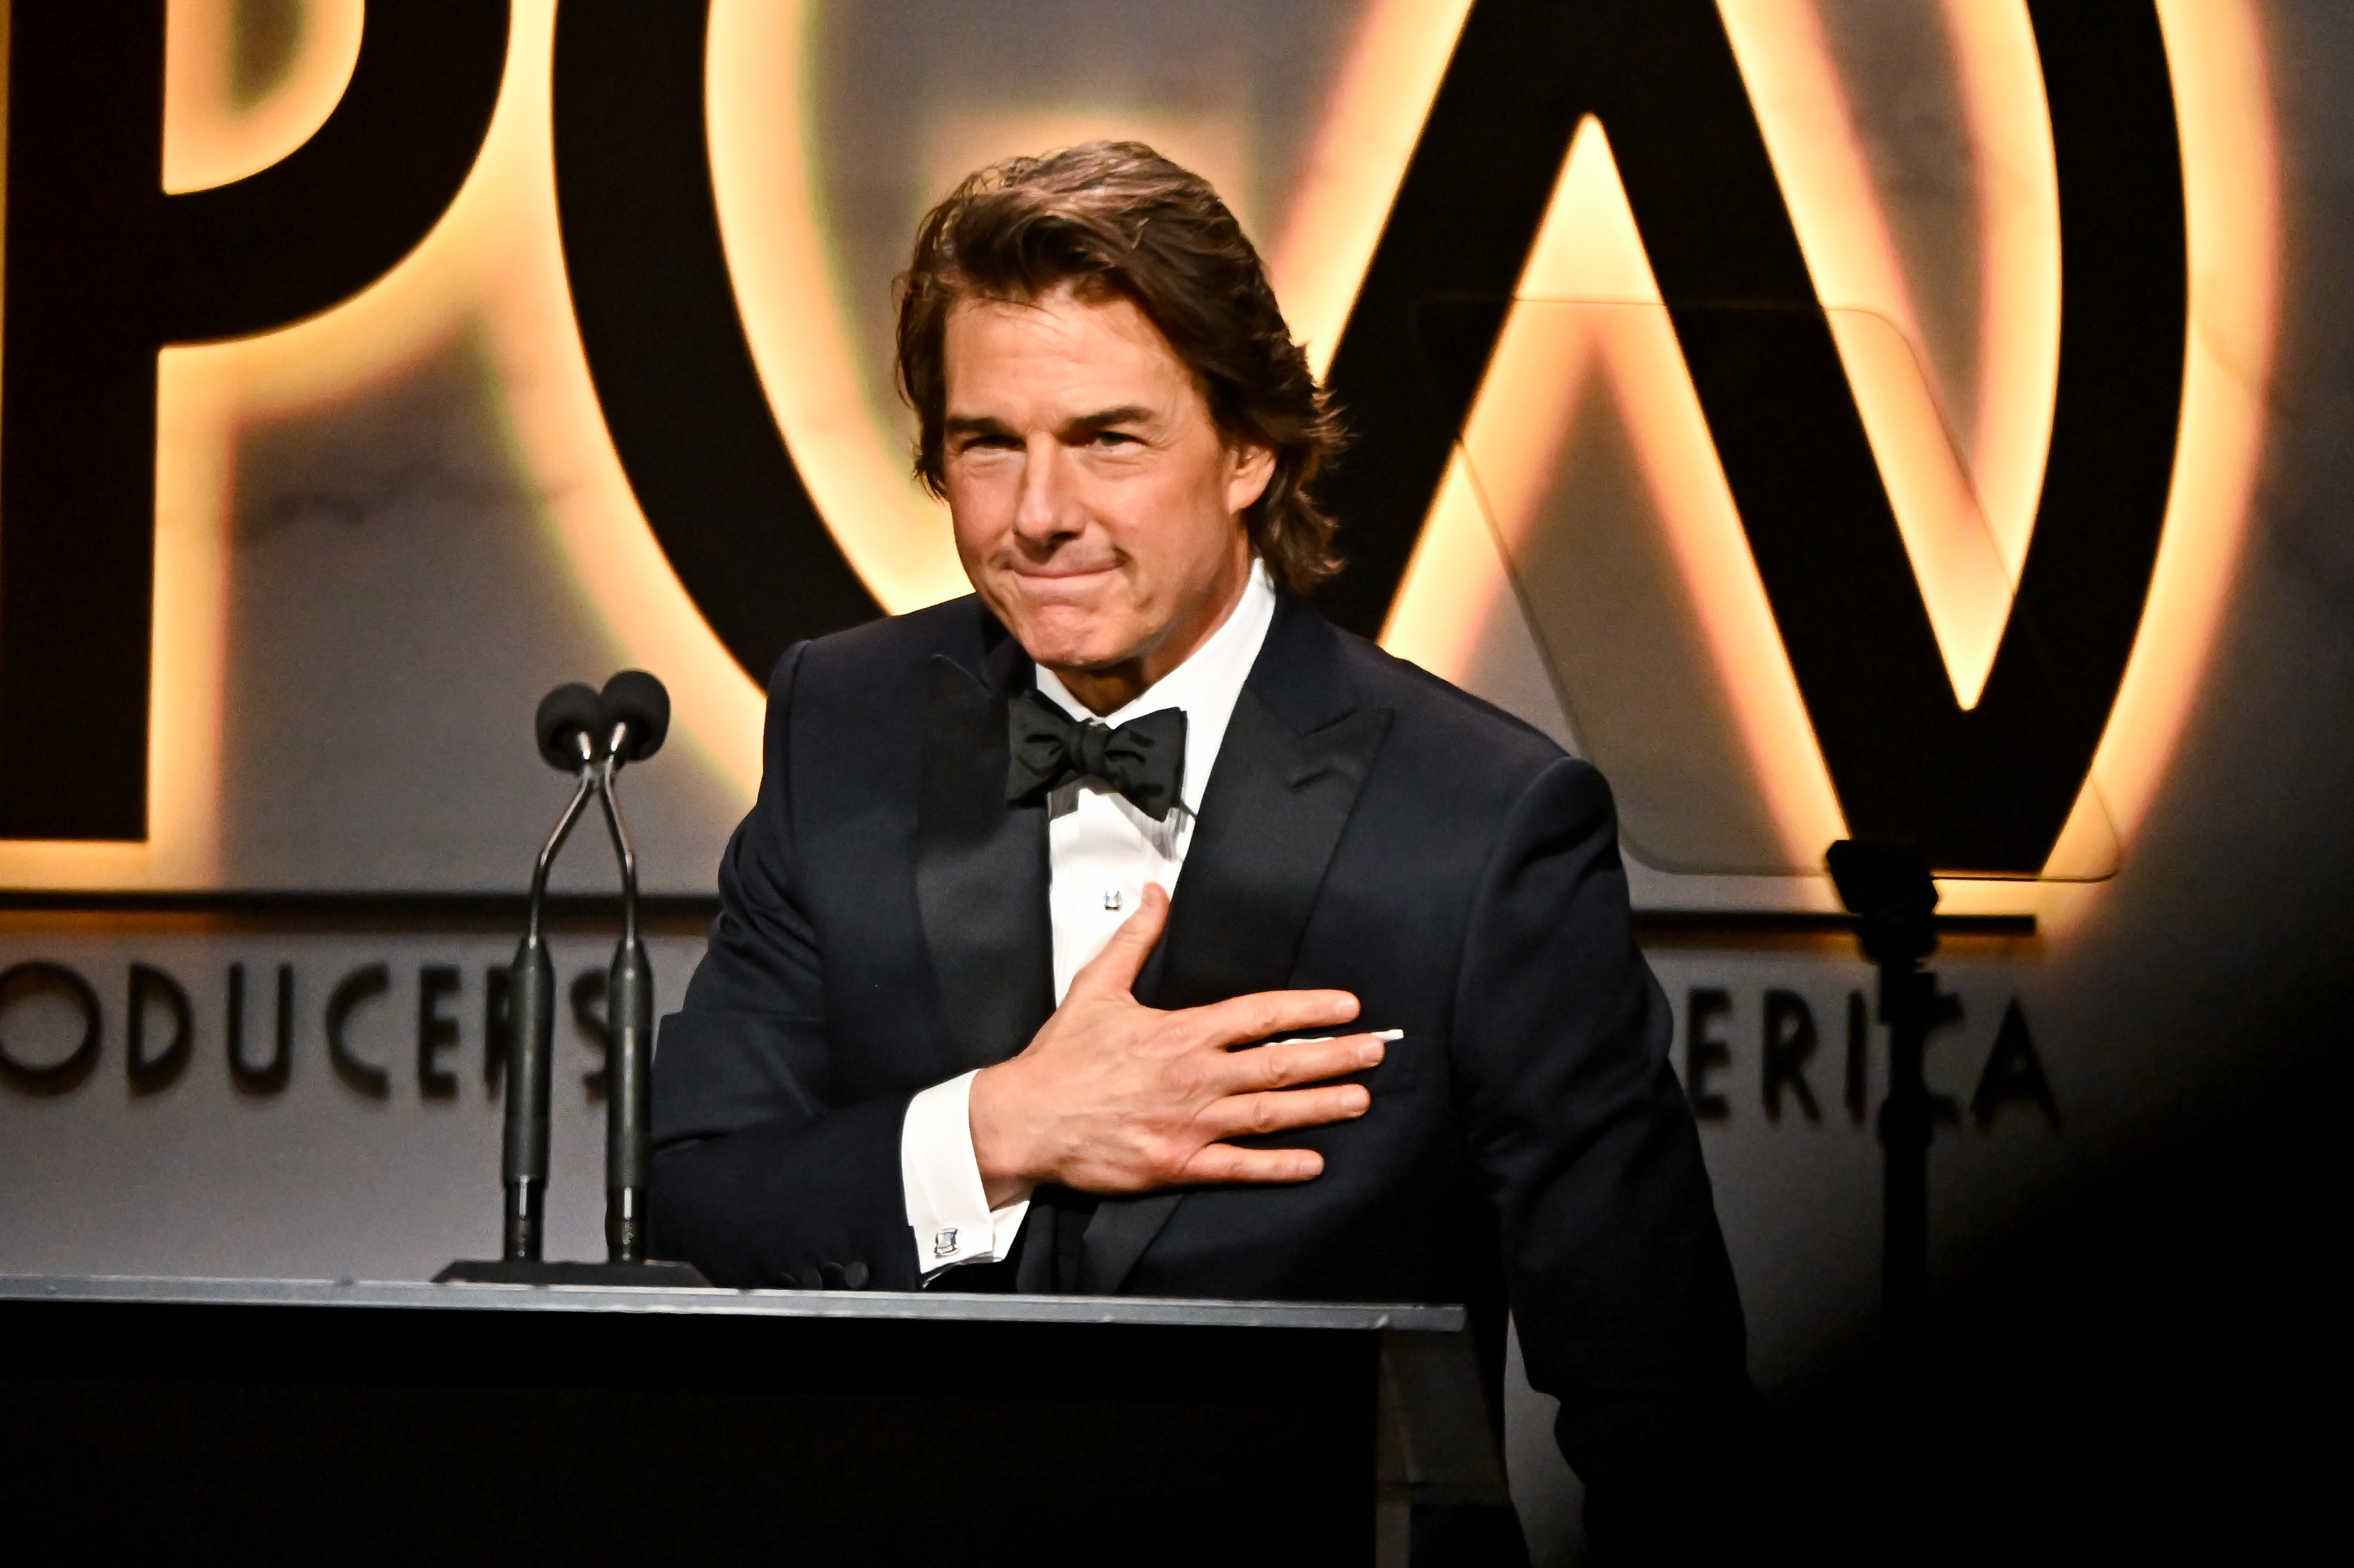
(566, 712)
(636, 699)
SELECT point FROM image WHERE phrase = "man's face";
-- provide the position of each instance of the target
(1097, 510)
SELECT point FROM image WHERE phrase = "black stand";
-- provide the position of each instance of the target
(1888, 889)
(591, 736)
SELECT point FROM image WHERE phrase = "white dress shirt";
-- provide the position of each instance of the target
(1101, 852)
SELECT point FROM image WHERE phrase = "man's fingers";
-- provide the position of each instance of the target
(1280, 1065)
(1281, 1110)
(1266, 1013)
(1225, 1162)
(1117, 967)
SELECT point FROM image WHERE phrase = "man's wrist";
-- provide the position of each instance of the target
(949, 1216)
(999, 1150)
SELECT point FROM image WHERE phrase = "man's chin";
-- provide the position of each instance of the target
(1067, 658)
(1067, 655)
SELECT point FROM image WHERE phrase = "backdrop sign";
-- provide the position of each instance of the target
(1951, 544)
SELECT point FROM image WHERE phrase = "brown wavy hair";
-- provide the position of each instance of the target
(1117, 220)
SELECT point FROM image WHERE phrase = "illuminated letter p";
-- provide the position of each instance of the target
(103, 269)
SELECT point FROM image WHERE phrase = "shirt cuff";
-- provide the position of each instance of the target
(948, 1208)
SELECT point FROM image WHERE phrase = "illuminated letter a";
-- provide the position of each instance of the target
(103, 269)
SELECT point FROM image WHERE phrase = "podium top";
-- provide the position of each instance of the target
(937, 1305)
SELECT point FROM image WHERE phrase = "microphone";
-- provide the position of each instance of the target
(636, 717)
(636, 710)
(569, 727)
(569, 717)
(592, 736)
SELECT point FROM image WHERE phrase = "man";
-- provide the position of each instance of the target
(1028, 866)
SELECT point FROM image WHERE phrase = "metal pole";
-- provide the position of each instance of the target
(1907, 1005)
(630, 1018)
(531, 1052)
(1889, 888)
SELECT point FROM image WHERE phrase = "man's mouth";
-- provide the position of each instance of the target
(1043, 572)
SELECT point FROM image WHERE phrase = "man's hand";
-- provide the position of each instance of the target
(1115, 1096)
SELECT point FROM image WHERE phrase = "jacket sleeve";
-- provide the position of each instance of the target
(763, 1176)
(1582, 1137)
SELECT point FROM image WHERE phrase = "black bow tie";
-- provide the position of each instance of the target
(1144, 759)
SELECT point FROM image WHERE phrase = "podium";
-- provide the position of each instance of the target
(396, 1422)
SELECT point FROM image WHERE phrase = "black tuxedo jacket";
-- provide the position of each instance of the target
(1367, 827)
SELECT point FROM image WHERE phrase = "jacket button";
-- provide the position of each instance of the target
(812, 1280)
(856, 1276)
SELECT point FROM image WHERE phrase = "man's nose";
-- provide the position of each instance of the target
(1041, 511)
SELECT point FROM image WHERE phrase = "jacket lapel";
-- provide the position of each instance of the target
(981, 867)
(1296, 753)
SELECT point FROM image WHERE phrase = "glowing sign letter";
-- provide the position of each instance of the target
(1985, 789)
(104, 269)
(674, 374)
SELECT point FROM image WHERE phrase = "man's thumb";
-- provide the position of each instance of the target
(1123, 956)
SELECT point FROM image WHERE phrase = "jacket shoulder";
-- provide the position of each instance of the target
(894, 645)
(1439, 712)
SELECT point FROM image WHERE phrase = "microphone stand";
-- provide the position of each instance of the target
(532, 1044)
(1889, 890)
(567, 723)
(630, 1021)
(1888, 887)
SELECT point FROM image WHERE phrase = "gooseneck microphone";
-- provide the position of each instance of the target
(637, 718)
(568, 727)
(592, 736)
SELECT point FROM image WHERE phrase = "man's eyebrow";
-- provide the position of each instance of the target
(1128, 414)
(989, 425)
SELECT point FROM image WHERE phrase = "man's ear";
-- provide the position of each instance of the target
(1249, 467)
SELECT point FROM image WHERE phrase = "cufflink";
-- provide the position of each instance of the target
(1111, 898)
(945, 1244)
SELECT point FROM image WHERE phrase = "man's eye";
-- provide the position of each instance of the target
(1114, 439)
